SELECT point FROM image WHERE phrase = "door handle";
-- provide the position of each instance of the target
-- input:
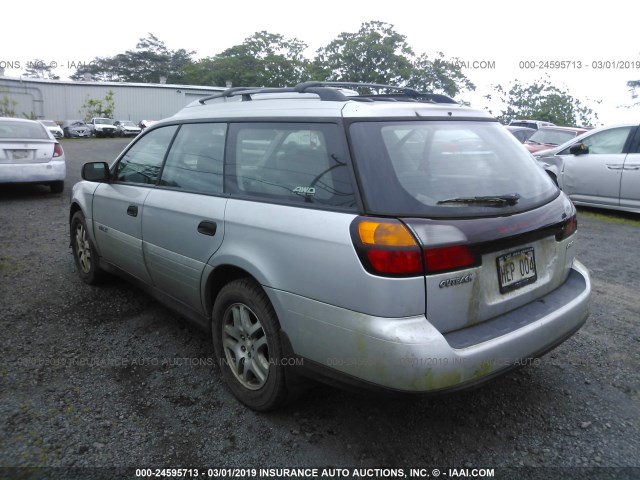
(614, 166)
(132, 210)
(206, 227)
(631, 167)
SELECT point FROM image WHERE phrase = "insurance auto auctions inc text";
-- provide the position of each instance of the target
(368, 473)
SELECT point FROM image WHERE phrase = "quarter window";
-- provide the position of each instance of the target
(142, 162)
(195, 162)
(304, 163)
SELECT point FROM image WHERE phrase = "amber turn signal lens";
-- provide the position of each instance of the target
(392, 234)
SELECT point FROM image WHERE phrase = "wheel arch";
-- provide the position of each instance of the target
(218, 278)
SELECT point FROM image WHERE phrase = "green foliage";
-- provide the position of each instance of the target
(264, 59)
(374, 54)
(541, 100)
(150, 61)
(37, 68)
(7, 107)
(379, 54)
(98, 108)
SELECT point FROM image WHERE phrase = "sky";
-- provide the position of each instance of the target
(504, 40)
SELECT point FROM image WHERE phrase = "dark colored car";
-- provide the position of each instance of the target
(76, 128)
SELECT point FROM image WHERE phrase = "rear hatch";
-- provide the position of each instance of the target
(26, 151)
(492, 229)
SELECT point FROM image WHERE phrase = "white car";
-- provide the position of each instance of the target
(53, 127)
(126, 128)
(30, 154)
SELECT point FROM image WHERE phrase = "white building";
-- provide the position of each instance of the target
(61, 100)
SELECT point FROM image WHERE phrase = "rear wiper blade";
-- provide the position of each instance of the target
(489, 201)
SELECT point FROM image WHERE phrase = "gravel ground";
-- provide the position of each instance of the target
(107, 377)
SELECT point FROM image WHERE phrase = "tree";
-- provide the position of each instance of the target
(379, 54)
(264, 59)
(375, 54)
(148, 63)
(98, 108)
(541, 100)
(634, 85)
(38, 68)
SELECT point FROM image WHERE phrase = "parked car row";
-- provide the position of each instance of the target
(97, 127)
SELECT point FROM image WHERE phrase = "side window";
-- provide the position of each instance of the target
(304, 163)
(606, 142)
(142, 162)
(195, 162)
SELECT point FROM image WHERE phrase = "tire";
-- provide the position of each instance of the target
(84, 253)
(246, 339)
(57, 187)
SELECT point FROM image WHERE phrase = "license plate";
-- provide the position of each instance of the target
(21, 154)
(516, 269)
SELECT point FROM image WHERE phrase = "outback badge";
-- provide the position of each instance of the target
(454, 282)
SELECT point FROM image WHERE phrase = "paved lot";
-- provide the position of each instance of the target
(104, 377)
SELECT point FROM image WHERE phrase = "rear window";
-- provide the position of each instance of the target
(10, 129)
(551, 136)
(438, 168)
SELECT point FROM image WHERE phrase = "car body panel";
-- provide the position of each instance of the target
(118, 234)
(297, 261)
(410, 354)
(630, 183)
(175, 252)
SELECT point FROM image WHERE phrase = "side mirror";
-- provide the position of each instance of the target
(579, 149)
(96, 172)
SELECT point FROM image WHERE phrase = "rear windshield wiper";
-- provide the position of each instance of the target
(489, 201)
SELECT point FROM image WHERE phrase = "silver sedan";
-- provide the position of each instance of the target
(600, 168)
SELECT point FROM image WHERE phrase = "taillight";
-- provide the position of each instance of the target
(386, 247)
(449, 258)
(569, 227)
(57, 150)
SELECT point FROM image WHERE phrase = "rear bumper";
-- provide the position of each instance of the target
(410, 355)
(52, 171)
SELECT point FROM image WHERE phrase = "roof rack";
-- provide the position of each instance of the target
(328, 91)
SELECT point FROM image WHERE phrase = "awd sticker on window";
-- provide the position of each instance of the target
(305, 191)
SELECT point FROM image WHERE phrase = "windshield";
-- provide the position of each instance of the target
(103, 121)
(446, 169)
(127, 123)
(551, 136)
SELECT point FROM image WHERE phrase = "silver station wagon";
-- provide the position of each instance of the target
(389, 239)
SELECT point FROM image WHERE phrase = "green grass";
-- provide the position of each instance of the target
(617, 218)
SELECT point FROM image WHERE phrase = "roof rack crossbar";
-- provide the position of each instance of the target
(329, 91)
